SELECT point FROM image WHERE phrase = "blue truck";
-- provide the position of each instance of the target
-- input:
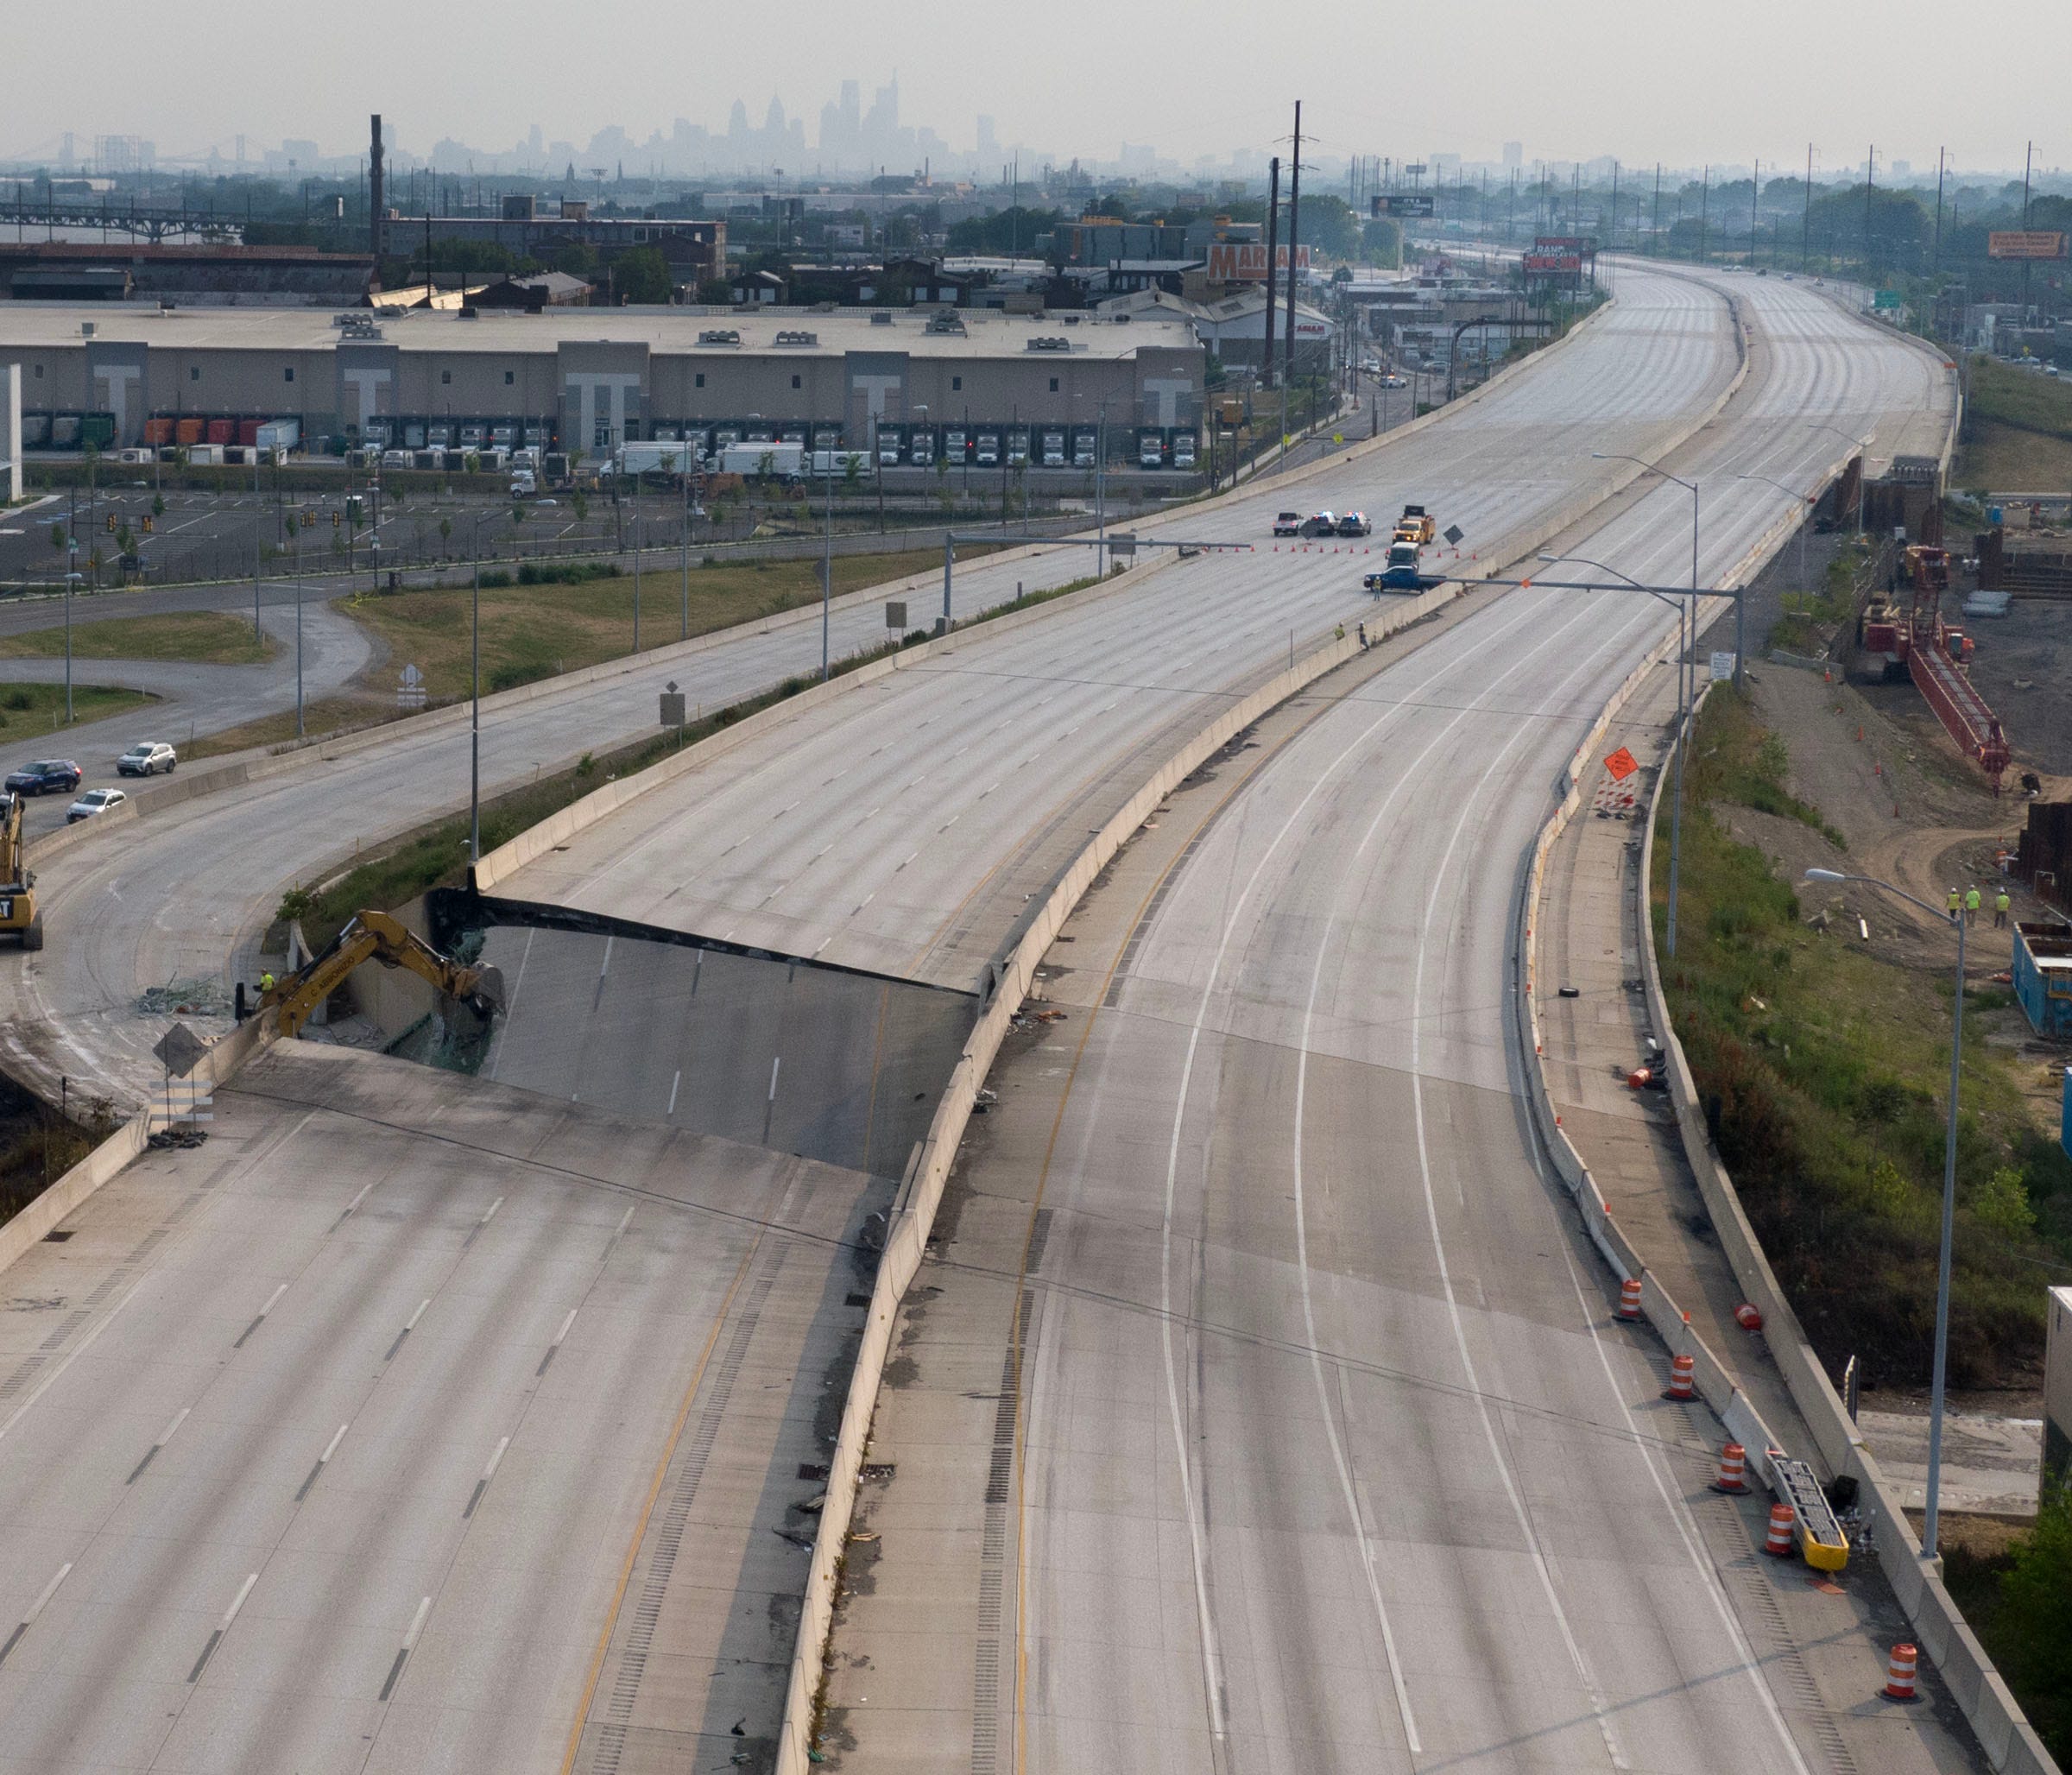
(1404, 570)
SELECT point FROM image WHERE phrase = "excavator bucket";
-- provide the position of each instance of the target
(487, 997)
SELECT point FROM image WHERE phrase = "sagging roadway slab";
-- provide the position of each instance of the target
(412, 1422)
(824, 1062)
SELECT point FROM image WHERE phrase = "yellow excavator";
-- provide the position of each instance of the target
(374, 936)
(19, 916)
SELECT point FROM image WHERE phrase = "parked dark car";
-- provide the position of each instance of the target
(46, 776)
(1355, 524)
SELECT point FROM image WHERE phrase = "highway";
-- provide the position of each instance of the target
(1192, 631)
(1017, 739)
(346, 1434)
(1328, 1454)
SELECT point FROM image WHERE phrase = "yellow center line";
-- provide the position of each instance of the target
(655, 1489)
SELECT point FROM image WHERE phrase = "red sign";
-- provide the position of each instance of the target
(1245, 261)
(1548, 262)
(1621, 764)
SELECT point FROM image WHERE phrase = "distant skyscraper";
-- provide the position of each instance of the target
(1514, 155)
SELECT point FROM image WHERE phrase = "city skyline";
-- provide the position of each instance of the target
(1609, 77)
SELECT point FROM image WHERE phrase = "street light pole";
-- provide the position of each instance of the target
(827, 562)
(298, 541)
(1804, 499)
(72, 578)
(1931, 1514)
(474, 710)
(1687, 635)
(1862, 445)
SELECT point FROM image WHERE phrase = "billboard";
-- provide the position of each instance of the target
(1565, 244)
(1547, 264)
(1401, 203)
(1245, 261)
(2023, 243)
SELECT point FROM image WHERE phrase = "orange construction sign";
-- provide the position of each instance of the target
(1621, 764)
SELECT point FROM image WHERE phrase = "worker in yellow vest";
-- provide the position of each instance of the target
(2000, 903)
(1971, 907)
(1956, 903)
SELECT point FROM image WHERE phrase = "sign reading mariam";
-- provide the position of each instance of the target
(1245, 261)
(2023, 243)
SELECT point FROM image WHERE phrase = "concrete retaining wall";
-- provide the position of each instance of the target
(215, 1068)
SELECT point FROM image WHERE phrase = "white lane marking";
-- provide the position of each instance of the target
(483, 1484)
(164, 1437)
(36, 1608)
(410, 1324)
(911, 855)
(554, 1346)
(673, 1084)
(223, 1626)
(271, 1300)
(1469, 807)
(1210, 1657)
(338, 1436)
(353, 1205)
(776, 1061)
(605, 966)
(1679, 1513)
(403, 1657)
(511, 1008)
(786, 808)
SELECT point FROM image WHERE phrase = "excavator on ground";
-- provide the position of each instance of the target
(19, 914)
(375, 936)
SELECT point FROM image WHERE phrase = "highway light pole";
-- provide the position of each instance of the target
(1686, 693)
(1687, 637)
(1950, 1196)
(72, 578)
(1808, 500)
(474, 712)
(1862, 445)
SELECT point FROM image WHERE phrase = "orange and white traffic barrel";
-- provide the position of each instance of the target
(1629, 1298)
(1734, 1469)
(1777, 1542)
(1683, 1373)
(1900, 1674)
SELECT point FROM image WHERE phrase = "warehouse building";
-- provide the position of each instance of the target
(589, 379)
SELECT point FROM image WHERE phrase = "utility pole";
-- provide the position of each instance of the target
(1612, 234)
(1704, 197)
(1657, 243)
(1805, 228)
(2028, 162)
(1870, 183)
(1755, 205)
(1273, 244)
(1940, 154)
(1294, 227)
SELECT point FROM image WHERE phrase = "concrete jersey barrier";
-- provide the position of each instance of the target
(2011, 1743)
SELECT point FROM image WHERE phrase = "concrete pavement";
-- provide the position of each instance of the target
(1311, 1446)
(413, 1423)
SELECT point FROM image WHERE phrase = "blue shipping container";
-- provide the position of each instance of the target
(2042, 976)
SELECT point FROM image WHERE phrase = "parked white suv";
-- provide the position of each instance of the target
(147, 758)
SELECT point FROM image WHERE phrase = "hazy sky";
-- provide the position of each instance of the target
(1644, 79)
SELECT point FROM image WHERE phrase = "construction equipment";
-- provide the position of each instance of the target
(1417, 525)
(372, 936)
(18, 914)
(1935, 653)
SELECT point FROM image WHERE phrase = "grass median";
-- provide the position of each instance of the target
(1823, 1072)
(552, 618)
(27, 711)
(200, 637)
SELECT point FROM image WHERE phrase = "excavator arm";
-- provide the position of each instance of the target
(372, 936)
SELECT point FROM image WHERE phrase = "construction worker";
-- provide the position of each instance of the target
(1971, 907)
(1956, 902)
(266, 981)
(2000, 903)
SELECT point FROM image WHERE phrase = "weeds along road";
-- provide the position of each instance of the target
(185, 894)
(1326, 1457)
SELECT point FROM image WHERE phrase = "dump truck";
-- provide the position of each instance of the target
(19, 914)
(1416, 525)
